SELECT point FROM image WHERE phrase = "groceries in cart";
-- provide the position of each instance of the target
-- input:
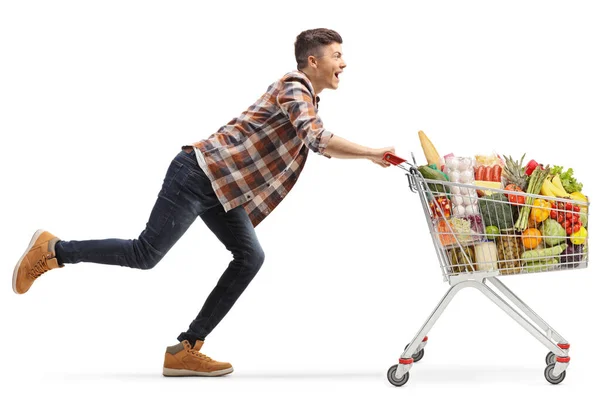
(496, 213)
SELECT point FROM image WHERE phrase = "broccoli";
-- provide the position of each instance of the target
(496, 211)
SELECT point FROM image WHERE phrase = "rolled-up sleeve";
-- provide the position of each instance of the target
(296, 102)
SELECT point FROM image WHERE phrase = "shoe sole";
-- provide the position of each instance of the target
(35, 237)
(188, 372)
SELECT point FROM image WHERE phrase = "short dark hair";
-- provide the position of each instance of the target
(309, 43)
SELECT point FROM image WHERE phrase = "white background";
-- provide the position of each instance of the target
(96, 98)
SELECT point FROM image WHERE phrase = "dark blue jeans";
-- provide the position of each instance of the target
(186, 194)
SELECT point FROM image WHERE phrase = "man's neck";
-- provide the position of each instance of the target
(316, 88)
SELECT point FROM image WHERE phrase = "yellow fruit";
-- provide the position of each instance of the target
(548, 189)
(578, 196)
(579, 237)
(559, 187)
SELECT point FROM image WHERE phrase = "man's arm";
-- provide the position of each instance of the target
(339, 147)
(296, 102)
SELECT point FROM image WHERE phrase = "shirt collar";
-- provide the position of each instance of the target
(316, 98)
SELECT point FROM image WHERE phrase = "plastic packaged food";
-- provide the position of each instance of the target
(488, 160)
(445, 233)
(440, 206)
(461, 262)
(486, 256)
(509, 252)
(462, 229)
(464, 200)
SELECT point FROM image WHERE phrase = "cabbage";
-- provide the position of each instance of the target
(583, 217)
(551, 227)
(476, 223)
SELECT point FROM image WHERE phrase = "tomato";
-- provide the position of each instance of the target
(561, 206)
(561, 218)
(568, 206)
(569, 231)
(513, 198)
(567, 223)
(569, 216)
(553, 214)
(576, 228)
(576, 208)
(497, 173)
(575, 218)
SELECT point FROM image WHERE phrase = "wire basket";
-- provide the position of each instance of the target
(473, 229)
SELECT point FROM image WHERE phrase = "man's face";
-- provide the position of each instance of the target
(329, 65)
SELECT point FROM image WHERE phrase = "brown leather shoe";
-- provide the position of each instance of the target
(183, 360)
(38, 258)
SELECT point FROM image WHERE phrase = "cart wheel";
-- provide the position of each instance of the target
(555, 380)
(391, 375)
(418, 355)
(550, 358)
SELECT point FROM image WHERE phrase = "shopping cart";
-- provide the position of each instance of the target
(479, 244)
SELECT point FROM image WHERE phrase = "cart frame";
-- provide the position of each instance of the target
(557, 360)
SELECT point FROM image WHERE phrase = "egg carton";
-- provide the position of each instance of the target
(464, 200)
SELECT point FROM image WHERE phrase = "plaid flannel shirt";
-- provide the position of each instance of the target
(256, 158)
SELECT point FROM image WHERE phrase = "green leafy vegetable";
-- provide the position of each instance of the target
(496, 211)
(567, 179)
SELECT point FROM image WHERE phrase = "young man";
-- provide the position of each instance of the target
(232, 180)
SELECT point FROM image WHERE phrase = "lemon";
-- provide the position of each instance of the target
(579, 237)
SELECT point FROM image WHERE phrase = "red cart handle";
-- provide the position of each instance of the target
(393, 159)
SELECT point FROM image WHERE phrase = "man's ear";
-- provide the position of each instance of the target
(312, 61)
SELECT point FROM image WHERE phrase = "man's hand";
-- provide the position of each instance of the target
(378, 154)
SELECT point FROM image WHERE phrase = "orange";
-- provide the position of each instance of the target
(531, 238)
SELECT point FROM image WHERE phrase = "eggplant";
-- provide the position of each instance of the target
(572, 255)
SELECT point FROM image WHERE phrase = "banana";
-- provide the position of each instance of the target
(548, 189)
(558, 184)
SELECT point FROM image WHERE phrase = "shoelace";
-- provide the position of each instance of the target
(39, 268)
(200, 355)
